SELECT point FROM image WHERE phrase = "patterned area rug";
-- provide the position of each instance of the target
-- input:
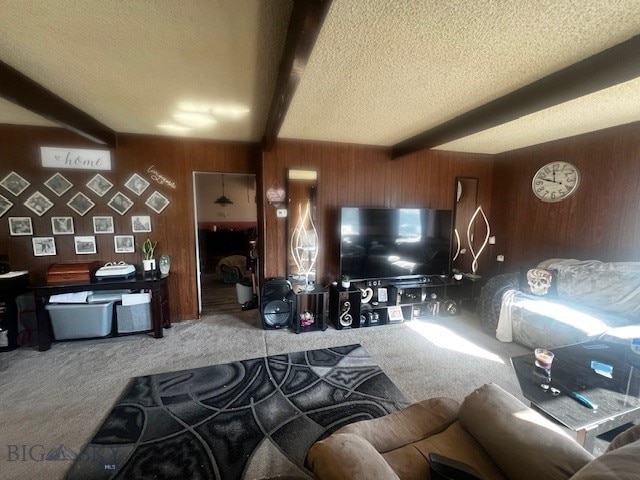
(207, 422)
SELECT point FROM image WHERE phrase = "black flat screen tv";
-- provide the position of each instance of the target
(394, 243)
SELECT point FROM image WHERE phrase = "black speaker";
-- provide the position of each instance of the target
(276, 304)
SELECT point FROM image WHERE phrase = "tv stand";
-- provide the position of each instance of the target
(393, 301)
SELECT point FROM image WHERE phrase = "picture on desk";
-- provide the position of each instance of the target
(85, 245)
(62, 225)
(20, 226)
(43, 246)
(141, 223)
(5, 205)
(124, 244)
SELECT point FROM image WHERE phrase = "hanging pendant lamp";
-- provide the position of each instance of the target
(223, 201)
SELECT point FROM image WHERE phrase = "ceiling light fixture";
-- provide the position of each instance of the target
(195, 119)
(193, 115)
(228, 112)
(223, 201)
(172, 127)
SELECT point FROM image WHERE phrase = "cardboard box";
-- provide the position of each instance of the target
(71, 272)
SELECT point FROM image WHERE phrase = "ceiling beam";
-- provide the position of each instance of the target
(305, 23)
(21, 90)
(608, 68)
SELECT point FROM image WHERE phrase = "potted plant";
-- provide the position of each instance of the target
(147, 248)
(346, 282)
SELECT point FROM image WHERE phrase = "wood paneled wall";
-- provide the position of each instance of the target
(355, 175)
(600, 221)
(174, 228)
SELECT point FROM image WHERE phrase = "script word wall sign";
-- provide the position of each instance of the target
(75, 158)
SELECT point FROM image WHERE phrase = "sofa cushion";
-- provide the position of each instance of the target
(620, 464)
(613, 287)
(417, 421)
(344, 456)
(510, 432)
(456, 443)
(628, 436)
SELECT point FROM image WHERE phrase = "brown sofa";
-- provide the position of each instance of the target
(492, 431)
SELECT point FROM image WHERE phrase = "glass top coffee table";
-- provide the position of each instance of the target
(617, 397)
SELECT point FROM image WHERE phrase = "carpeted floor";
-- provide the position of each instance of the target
(206, 423)
(54, 401)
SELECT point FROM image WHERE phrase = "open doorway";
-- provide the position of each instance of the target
(226, 223)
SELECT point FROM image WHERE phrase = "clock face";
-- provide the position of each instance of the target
(555, 181)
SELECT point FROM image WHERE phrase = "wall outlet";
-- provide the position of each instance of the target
(500, 258)
(281, 213)
(492, 240)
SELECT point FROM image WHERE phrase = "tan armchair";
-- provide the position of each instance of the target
(492, 432)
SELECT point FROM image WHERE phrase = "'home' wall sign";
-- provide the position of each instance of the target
(75, 158)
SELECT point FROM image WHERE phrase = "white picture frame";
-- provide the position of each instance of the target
(157, 202)
(5, 205)
(137, 184)
(43, 246)
(103, 224)
(124, 244)
(19, 226)
(85, 244)
(80, 204)
(62, 226)
(38, 203)
(120, 203)
(58, 184)
(141, 223)
(14, 183)
(99, 185)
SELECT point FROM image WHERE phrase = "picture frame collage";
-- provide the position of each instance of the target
(57, 185)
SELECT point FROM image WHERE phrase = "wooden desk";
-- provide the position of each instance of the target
(156, 284)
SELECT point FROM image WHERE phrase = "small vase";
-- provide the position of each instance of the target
(164, 264)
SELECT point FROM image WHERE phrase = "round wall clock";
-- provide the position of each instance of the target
(555, 181)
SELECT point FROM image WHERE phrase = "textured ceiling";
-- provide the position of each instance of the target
(381, 71)
(129, 64)
(607, 108)
(384, 71)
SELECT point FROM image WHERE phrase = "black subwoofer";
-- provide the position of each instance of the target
(276, 304)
